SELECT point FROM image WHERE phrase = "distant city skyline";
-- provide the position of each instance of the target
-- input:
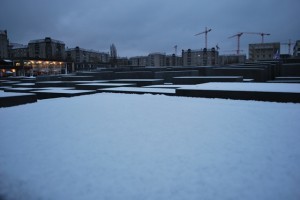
(139, 27)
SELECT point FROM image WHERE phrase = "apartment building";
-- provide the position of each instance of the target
(139, 61)
(173, 60)
(80, 55)
(296, 49)
(156, 59)
(232, 59)
(264, 51)
(47, 48)
(17, 51)
(3, 44)
(201, 57)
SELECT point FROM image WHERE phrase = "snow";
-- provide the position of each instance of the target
(49, 82)
(62, 91)
(105, 84)
(56, 88)
(22, 88)
(118, 146)
(24, 84)
(12, 94)
(82, 82)
(171, 86)
(259, 87)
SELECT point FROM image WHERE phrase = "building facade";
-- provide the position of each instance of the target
(3, 44)
(156, 59)
(83, 59)
(81, 55)
(201, 57)
(138, 61)
(173, 60)
(122, 62)
(264, 51)
(296, 50)
(47, 48)
(232, 59)
(32, 67)
(18, 51)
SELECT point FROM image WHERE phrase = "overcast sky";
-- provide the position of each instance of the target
(139, 27)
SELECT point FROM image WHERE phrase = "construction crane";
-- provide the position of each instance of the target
(261, 34)
(205, 32)
(289, 45)
(238, 35)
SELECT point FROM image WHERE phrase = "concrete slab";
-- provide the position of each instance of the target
(15, 78)
(56, 88)
(74, 83)
(105, 75)
(134, 75)
(297, 78)
(95, 86)
(189, 80)
(48, 78)
(166, 86)
(244, 91)
(169, 75)
(258, 74)
(28, 80)
(56, 93)
(139, 90)
(5, 87)
(2, 81)
(290, 69)
(77, 78)
(10, 83)
(139, 82)
(8, 99)
(26, 85)
(20, 90)
(50, 84)
(284, 81)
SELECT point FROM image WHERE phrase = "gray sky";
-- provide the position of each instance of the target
(139, 27)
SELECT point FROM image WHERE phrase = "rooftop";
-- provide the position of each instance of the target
(44, 40)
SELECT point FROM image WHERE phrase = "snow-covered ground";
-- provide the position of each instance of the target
(118, 146)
